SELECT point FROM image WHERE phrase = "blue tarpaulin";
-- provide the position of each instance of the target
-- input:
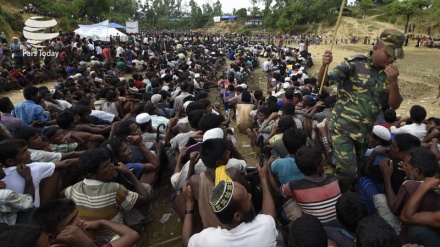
(115, 25)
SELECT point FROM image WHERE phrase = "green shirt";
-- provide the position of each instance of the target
(362, 89)
(120, 65)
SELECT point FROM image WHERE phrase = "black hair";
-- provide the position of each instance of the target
(194, 118)
(294, 139)
(330, 101)
(52, 213)
(82, 110)
(246, 97)
(210, 121)
(50, 132)
(307, 231)
(65, 119)
(288, 94)
(84, 102)
(285, 123)
(264, 110)
(424, 160)
(273, 107)
(375, 231)
(308, 159)
(193, 106)
(350, 209)
(435, 120)
(406, 141)
(139, 108)
(115, 142)
(288, 109)
(201, 96)
(204, 103)
(4, 104)
(308, 101)
(417, 113)
(21, 235)
(25, 132)
(123, 128)
(29, 92)
(211, 151)
(226, 216)
(111, 95)
(102, 93)
(9, 149)
(389, 115)
(272, 99)
(184, 86)
(258, 94)
(150, 109)
(89, 160)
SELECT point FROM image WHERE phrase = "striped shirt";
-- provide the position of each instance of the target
(100, 200)
(316, 196)
(11, 203)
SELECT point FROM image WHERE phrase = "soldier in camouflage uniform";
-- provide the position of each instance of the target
(364, 83)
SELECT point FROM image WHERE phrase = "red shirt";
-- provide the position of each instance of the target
(16, 74)
(106, 53)
(139, 84)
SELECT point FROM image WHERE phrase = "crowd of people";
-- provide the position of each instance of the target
(82, 160)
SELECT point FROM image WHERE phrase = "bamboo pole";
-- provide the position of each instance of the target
(338, 23)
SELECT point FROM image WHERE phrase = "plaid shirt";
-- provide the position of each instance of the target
(11, 203)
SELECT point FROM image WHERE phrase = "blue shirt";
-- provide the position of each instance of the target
(286, 170)
(28, 112)
(18, 53)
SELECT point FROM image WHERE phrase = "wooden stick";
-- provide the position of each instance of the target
(338, 23)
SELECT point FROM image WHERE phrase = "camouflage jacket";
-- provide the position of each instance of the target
(361, 91)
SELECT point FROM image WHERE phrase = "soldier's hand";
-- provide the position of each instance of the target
(392, 73)
(327, 58)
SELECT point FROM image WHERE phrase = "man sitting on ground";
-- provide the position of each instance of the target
(232, 205)
(95, 193)
(59, 219)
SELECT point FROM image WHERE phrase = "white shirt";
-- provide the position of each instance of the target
(301, 47)
(260, 232)
(179, 178)
(103, 115)
(44, 156)
(98, 50)
(39, 171)
(266, 66)
(119, 51)
(158, 120)
(417, 130)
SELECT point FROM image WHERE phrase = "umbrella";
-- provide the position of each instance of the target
(115, 25)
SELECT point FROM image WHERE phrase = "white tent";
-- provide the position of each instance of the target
(100, 33)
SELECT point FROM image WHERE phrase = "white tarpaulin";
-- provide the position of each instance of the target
(132, 26)
(217, 18)
(101, 33)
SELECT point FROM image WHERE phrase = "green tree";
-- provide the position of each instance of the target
(241, 14)
(364, 6)
(406, 8)
(207, 9)
(217, 8)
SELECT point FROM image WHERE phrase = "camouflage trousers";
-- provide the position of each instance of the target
(348, 155)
